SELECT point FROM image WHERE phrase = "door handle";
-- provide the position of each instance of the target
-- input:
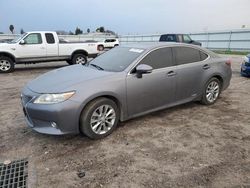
(206, 66)
(171, 73)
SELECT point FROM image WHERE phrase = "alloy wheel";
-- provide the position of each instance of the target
(102, 119)
(5, 65)
(80, 60)
(212, 91)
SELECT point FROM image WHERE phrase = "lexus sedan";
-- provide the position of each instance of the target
(123, 83)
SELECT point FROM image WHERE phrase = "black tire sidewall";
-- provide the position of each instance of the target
(85, 127)
(12, 64)
(78, 55)
(204, 98)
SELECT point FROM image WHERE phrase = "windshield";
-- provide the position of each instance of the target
(17, 38)
(117, 59)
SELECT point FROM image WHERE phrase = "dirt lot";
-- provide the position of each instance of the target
(186, 146)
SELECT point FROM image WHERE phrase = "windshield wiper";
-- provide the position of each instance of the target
(96, 66)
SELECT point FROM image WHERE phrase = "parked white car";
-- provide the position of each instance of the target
(110, 43)
(35, 47)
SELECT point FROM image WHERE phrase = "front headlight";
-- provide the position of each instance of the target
(53, 98)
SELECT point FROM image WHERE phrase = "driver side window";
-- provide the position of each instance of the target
(33, 38)
(186, 38)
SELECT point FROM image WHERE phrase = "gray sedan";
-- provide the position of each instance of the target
(123, 83)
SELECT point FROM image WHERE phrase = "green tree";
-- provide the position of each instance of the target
(88, 30)
(11, 28)
(100, 29)
(78, 31)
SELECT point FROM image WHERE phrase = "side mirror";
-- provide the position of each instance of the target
(22, 42)
(143, 69)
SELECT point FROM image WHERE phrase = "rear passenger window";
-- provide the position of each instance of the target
(203, 56)
(50, 38)
(159, 58)
(186, 55)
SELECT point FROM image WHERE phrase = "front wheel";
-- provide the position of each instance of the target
(79, 59)
(6, 65)
(211, 92)
(99, 118)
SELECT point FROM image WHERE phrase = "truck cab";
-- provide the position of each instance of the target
(183, 38)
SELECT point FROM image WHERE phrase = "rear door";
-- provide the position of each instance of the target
(52, 46)
(190, 68)
(153, 90)
(34, 47)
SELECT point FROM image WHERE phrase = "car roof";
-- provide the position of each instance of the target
(148, 46)
(153, 45)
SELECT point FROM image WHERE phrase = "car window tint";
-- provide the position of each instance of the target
(203, 55)
(186, 55)
(168, 38)
(159, 58)
(33, 38)
(50, 38)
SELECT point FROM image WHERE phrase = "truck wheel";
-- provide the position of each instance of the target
(79, 59)
(99, 118)
(100, 47)
(6, 65)
(69, 62)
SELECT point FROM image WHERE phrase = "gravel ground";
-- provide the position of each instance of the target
(186, 146)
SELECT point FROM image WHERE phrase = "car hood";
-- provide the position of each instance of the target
(5, 45)
(59, 80)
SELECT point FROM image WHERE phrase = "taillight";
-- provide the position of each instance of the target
(229, 63)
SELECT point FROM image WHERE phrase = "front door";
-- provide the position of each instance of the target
(153, 90)
(34, 47)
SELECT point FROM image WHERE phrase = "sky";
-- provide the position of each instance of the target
(125, 16)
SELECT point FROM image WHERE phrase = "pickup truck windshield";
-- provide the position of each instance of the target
(117, 59)
(15, 40)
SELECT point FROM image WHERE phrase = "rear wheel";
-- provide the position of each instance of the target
(99, 118)
(69, 62)
(100, 47)
(211, 92)
(79, 59)
(6, 65)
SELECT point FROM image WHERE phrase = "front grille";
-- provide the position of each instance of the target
(14, 174)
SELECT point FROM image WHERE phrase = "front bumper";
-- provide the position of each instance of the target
(245, 70)
(55, 119)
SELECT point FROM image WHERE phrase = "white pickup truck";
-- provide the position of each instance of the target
(35, 47)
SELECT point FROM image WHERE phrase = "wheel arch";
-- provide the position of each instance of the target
(219, 77)
(106, 95)
(9, 55)
(79, 52)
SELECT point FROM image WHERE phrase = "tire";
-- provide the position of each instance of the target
(100, 47)
(213, 86)
(69, 62)
(116, 45)
(6, 65)
(93, 112)
(79, 59)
